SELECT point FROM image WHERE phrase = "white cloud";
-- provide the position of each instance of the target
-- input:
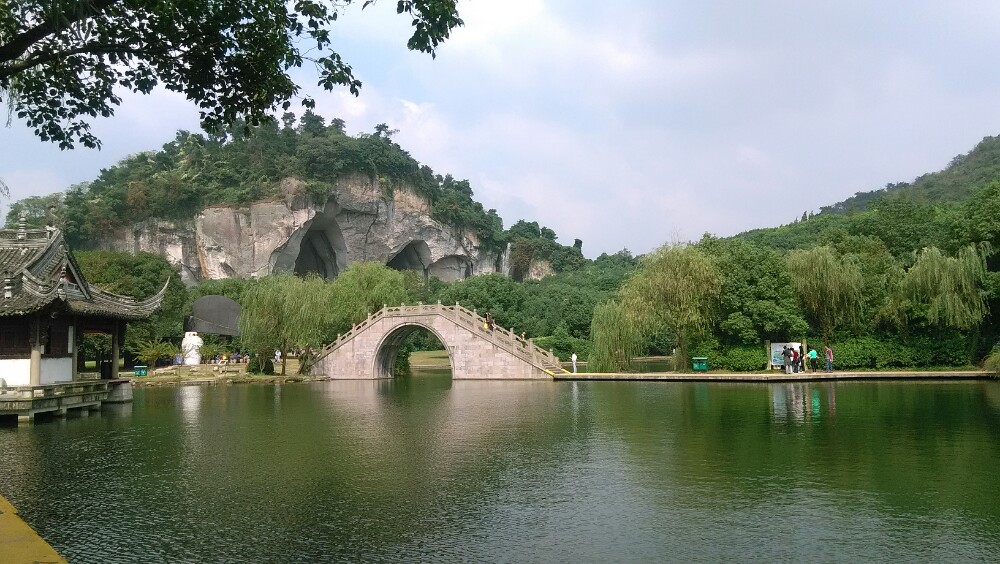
(632, 126)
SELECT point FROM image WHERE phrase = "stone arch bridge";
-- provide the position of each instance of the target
(369, 349)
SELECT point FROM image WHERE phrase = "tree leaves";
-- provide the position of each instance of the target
(60, 62)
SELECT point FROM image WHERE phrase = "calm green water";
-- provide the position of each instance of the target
(428, 469)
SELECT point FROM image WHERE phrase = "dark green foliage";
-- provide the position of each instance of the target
(538, 308)
(530, 243)
(260, 364)
(738, 359)
(230, 168)
(887, 352)
(965, 174)
(493, 293)
(63, 63)
(757, 301)
(233, 288)
(38, 211)
(992, 362)
(140, 276)
(982, 216)
(153, 351)
(563, 345)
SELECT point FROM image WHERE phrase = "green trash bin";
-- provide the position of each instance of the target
(141, 370)
(700, 363)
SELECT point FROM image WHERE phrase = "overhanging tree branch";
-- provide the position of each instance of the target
(94, 49)
(20, 43)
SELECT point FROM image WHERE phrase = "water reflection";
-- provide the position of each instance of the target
(799, 402)
(430, 469)
(189, 401)
(117, 410)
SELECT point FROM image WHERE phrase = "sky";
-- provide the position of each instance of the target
(636, 123)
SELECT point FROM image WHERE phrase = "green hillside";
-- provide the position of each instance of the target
(942, 209)
(955, 183)
(244, 165)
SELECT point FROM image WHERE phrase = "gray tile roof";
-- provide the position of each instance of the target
(38, 271)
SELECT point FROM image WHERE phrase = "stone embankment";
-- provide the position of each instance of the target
(212, 374)
(19, 543)
(777, 377)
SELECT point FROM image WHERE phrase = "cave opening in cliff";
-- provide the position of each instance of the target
(322, 249)
(416, 256)
(450, 268)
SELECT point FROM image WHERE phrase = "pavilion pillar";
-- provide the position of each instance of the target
(71, 343)
(115, 352)
(35, 364)
(35, 367)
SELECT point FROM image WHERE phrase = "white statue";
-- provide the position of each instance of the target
(191, 348)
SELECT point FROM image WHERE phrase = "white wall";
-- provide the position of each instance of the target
(57, 370)
(16, 371)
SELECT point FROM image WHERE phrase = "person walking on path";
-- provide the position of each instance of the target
(802, 359)
(829, 358)
(812, 358)
(786, 353)
(573, 358)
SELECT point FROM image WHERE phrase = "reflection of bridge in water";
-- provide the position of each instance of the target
(475, 351)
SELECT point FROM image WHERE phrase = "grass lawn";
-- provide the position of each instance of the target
(429, 359)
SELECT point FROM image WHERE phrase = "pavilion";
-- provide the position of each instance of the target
(46, 304)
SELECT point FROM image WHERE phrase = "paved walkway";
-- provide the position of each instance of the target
(19, 543)
(778, 376)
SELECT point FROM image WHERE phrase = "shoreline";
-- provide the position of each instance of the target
(20, 542)
(211, 375)
(736, 377)
(778, 377)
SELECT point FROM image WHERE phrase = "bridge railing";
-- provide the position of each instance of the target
(506, 339)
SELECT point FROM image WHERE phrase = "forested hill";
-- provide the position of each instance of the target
(241, 165)
(955, 183)
(946, 209)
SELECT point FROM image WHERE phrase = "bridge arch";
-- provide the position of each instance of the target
(387, 350)
(369, 349)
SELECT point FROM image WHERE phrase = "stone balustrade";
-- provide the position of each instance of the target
(461, 330)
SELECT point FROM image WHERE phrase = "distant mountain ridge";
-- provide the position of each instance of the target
(963, 175)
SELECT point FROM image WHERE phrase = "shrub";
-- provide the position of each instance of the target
(992, 362)
(260, 364)
(870, 353)
(739, 359)
(563, 345)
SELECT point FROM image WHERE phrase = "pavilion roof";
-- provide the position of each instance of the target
(38, 271)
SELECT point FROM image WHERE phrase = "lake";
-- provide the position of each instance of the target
(424, 468)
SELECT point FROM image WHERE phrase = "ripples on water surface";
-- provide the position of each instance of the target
(428, 469)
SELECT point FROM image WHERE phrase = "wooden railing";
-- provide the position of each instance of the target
(505, 339)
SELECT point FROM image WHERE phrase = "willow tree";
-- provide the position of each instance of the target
(363, 288)
(615, 338)
(676, 288)
(284, 311)
(829, 286)
(951, 290)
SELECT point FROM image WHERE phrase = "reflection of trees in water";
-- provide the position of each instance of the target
(903, 442)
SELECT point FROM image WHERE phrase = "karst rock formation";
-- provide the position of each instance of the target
(359, 221)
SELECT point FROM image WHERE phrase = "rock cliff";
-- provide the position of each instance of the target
(357, 222)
